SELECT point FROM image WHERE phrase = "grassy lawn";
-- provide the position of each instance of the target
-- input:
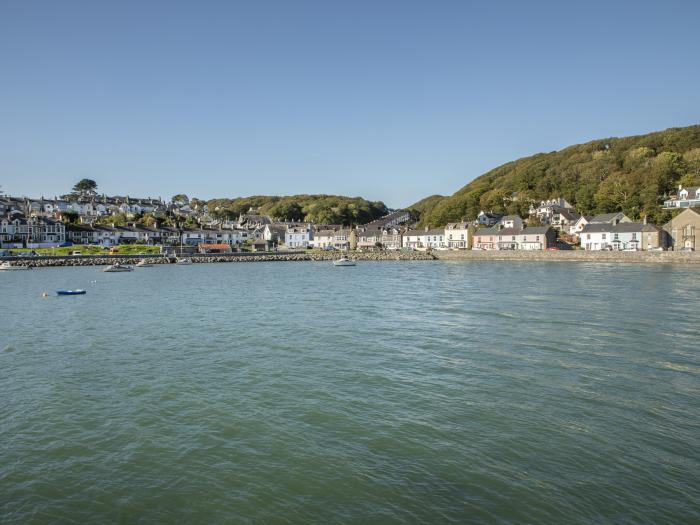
(128, 249)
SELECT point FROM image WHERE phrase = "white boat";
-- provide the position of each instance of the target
(343, 261)
(118, 268)
(7, 265)
(183, 260)
(143, 263)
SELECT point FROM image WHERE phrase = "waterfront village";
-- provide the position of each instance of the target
(27, 223)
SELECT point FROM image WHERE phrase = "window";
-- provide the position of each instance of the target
(588, 236)
(634, 236)
(605, 236)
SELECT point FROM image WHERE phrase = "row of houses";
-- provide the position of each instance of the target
(17, 231)
(87, 207)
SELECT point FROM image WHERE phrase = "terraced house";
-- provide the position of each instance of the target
(532, 238)
(536, 238)
(627, 236)
(16, 231)
(425, 239)
(458, 235)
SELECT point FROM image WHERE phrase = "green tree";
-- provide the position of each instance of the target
(85, 187)
(70, 217)
(180, 199)
(289, 210)
(613, 193)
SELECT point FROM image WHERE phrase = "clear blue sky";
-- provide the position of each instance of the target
(390, 100)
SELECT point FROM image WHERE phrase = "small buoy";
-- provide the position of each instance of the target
(44, 295)
(93, 282)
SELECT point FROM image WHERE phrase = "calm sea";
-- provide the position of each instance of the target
(424, 392)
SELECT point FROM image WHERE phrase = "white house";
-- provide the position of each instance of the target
(564, 219)
(620, 236)
(457, 235)
(487, 218)
(298, 236)
(576, 227)
(687, 198)
(425, 239)
(323, 239)
(510, 221)
(546, 209)
(194, 237)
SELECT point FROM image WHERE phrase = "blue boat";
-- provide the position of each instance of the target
(71, 292)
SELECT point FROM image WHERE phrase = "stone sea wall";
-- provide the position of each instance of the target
(100, 260)
(573, 256)
(691, 258)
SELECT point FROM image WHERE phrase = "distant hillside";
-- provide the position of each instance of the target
(424, 205)
(326, 209)
(630, 174)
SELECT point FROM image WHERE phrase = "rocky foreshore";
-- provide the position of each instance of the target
(638, 257)
(100, 260)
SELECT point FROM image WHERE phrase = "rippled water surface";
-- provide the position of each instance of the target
(384, 393)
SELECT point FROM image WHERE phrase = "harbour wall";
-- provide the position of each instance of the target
(688, 258)
(101, 260)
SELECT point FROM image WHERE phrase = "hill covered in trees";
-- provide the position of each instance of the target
(629, 174)
(322, 209)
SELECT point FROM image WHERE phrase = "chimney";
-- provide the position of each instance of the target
(645, 220)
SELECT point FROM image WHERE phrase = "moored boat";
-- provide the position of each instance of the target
(183, 260)
(118, 268)
(8, 266)
(143, 263)
(71, 292)
(343, 261)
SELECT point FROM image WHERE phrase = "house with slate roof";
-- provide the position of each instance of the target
(485, 239)
(622, 236)
(686, 198)
(536, 238)
(458, 235)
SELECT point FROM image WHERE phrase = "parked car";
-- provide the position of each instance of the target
(75, 252)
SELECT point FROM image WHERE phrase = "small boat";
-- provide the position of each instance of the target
(7, 265)
(118, 268)
(143, 263)
(343, 261)
(71, 292)
(183, 260)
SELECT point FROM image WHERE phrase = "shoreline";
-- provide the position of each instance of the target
(615, 257)
(688, 258)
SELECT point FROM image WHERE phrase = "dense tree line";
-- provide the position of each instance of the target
(326, 209)
(630, 174)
